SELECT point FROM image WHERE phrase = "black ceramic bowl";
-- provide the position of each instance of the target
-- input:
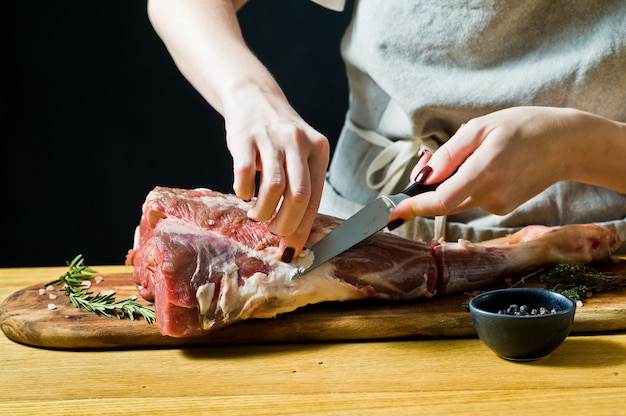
(522, 337)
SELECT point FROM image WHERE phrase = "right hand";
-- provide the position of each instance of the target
(505, 158)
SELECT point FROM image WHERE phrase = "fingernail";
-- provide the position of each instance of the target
(287, 254)
(422, 153)
(395, 224)
(423, 174)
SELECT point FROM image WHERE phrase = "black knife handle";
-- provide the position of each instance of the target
(414, 189)
(418, 188)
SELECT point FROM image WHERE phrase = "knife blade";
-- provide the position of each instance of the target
(366, 222)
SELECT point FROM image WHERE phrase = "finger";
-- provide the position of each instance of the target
(271, 186)
(296, 197)
(467, 204)
(293, 244)
(421, 163)
(456, 150)
(297, 230)
(244, 172)
(305, 180)
(451, 196)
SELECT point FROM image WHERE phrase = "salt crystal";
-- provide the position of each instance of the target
(42, 291)
(107, 292)
(52, 296)
(98, 279)
(49, 288)
(52, 306)
(86, 283)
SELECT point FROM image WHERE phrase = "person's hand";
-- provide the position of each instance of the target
(265, 134)
(503, 159)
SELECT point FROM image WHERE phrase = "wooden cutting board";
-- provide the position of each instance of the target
(26, 318)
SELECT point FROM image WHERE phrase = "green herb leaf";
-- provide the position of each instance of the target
(74, 286)
(575, 281)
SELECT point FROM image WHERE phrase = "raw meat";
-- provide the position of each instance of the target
(206, 265)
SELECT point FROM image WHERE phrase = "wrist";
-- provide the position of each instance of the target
(599, 151)
(258, 94)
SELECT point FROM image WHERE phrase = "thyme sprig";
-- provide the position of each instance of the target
(76, 283)
(576, 281)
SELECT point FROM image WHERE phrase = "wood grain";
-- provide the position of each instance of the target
(26, 318)
(586, 375)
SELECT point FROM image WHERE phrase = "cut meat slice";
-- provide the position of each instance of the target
(206, 265)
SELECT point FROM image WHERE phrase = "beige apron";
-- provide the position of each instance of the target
(418, 69)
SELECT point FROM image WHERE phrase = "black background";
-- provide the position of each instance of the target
(94, 114)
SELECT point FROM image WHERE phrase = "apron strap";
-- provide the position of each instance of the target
(391, 163)
(388, 167)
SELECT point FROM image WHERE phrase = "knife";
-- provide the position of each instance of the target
(369, 220)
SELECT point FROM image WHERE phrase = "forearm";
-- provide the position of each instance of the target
(601, 156)
(205, 41)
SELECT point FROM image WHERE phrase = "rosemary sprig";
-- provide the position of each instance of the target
(77, 273)
(75, 286)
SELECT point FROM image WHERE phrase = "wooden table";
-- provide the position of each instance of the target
(585, 375)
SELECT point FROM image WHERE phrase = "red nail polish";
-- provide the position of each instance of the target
(395, 224)
(423, 174)
(288, 254)
(422, 153)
